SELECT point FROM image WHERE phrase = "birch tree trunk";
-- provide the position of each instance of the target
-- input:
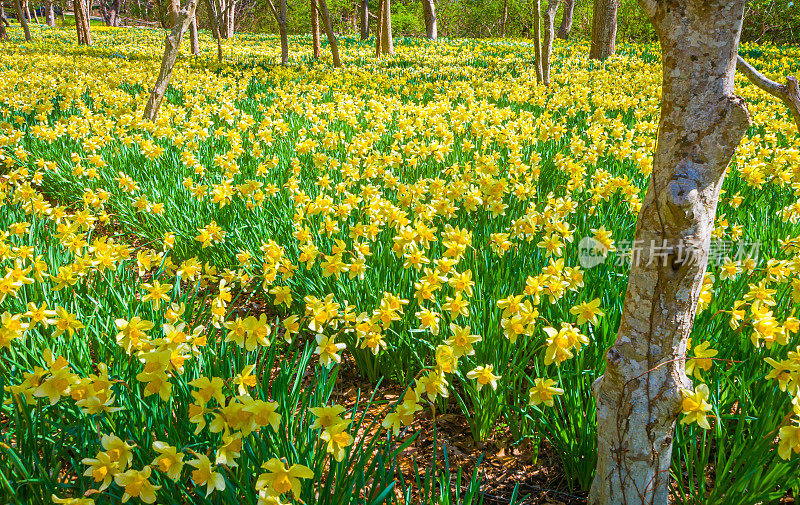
(315, 29)
(194, 38)
(429, 10)
(364, 19)
(537, 38)
(566, 20)
(702, 121)
(326, 21)
(22, 20)
(387, 42)
(604, 29)
(28, 11)
(174, 7)
(172, 42)
(549, 32)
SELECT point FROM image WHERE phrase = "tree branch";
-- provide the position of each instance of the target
(789, 93)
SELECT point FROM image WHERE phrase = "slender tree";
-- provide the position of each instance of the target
(566, 20)
(364, 7)
(194, 37)
(315, 29)
(214, 17)
(172, 42)
(604, 29)
(280, 17)
(326, 22)
(702, 122)
(387, 42)
(549, 33)
(50, 14)
(429, 10)
(379, 29)
(504, 19)
(537, 38)
(22, 20)
(3, 22)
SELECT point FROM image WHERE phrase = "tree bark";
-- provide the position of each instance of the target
(214, 16)
(82, 25)
(549, 32)
(22, 20)
(537, 38)
(566, 20)
(194, 38)
(379, 29)
(174, 7)
(28, 12)
(504, 19)
(50, 14)
(172, 42)
(364, 19)
(3, 22)
(604, 29)
(788, 93)
(387, 42)
(429, 11)
(702, 121)
(280, 17)
(315, 29)
(326, 21)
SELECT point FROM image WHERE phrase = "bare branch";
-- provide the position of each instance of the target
(788, 93)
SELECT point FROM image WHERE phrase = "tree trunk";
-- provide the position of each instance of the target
(174, 7)
(3, 22)
(566, 20)
(280, 17)
(28, 11)
(51, 14)
(604, 29)
(214, 16)
(194, 39)
(22, 20)
(504, 19)
(364, 19)
(430, 18)
(63, 10)
(379, 29)
(315, 29)
(326, 22)
(387, 43)
(172, 42)
(82, 25)
(537, 38)
(789, 93)
(702, 121)
(549, 32)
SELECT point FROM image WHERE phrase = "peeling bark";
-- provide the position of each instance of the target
(50, 14)
(172, 42)
(566, 20)
(788, 93)
(213, 15)
(326, 22)
(537, 38)
(702, 123)
(604, 29)
(429, 11)
(549, 30)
